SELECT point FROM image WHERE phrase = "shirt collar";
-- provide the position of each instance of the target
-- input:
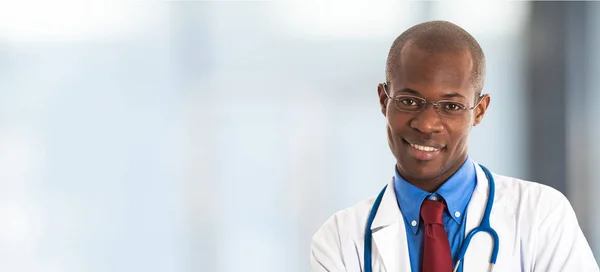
(456, 191)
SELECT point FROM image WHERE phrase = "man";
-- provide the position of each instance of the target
(431, 99)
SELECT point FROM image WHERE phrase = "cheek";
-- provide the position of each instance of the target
(392, 131)
(459, 133)
(396, 122)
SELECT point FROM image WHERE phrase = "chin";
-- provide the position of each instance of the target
(421, 169)
(414, 165)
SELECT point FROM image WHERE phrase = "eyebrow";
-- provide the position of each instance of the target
(446, 95)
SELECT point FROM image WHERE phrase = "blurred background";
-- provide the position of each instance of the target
(219, 136)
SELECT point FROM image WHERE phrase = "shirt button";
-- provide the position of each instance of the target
(434, 198)
(413, 223)
(457, 214)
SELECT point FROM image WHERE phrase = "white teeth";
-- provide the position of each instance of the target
(424, 148)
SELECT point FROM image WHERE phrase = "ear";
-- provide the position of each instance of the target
(383, 99)
(481, 109)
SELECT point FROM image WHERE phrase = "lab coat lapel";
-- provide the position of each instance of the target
(390, 247)
(478, 254)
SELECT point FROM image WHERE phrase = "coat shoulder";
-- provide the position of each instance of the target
(527, 198)
(341, 236)
(345, 218)
(547, 227)
(524, 189)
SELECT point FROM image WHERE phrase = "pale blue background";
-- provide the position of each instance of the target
(218, 136)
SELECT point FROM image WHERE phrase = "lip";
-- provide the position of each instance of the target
(421, 155)
(424, 143)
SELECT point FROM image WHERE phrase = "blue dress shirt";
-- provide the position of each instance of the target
(456, 191)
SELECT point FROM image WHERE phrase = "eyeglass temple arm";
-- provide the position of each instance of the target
(384, 85)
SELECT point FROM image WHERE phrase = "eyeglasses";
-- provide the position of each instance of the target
(449, 108)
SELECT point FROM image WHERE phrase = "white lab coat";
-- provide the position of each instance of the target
(536, 224)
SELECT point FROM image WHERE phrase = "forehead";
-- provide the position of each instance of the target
(433, 74)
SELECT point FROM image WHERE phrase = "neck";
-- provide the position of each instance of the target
(432, 184)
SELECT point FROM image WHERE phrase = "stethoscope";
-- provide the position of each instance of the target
(484, 226)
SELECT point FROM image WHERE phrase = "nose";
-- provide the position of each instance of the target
(427, 121)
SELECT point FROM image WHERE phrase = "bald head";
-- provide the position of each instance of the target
(439, 37)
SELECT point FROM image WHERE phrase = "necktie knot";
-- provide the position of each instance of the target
(432, 211)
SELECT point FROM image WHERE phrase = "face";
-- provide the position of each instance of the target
(428, 146)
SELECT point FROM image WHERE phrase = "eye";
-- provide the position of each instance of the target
(451, 106)
(408, 101)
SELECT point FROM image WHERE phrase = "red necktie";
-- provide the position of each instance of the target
(436, 248)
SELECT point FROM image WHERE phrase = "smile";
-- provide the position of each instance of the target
(425, 151)
(425, 148)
